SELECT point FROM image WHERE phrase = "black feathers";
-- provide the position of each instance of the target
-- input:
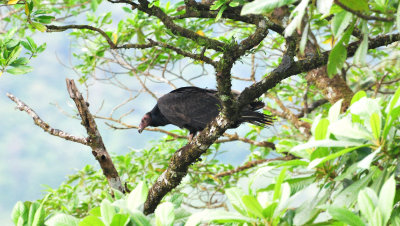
(193, 108)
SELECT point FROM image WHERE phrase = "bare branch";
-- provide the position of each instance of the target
(252, 164)
(42, 124)
(95, 140)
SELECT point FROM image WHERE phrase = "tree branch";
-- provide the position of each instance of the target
(359, 14)
(42, 124)
(289, 68)
(252, 164)
(95, 141)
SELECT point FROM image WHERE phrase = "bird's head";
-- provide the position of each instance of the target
(146, 120)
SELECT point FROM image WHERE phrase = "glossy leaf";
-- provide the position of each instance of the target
(235, 198)
(261, 6)
(376, 125)
(165, 214)
(120, 220)
(340, 22)
(107, 211)
(345, 216)
(18, 211)
(138, 196)
(360, 94)
(365, 203)
(62, 220)
(253, 206)
(91, 221)
(324, 6)
(322, 129)
(356, 5)
(386, 199)
(317, 162)
(334, 111)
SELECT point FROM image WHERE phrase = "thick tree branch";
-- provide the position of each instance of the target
(198, 10)
(288, 68)
(42, 124)
(181, 160)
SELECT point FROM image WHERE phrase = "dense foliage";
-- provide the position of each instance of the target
(335, 144)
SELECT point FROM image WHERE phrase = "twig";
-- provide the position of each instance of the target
(252, 164)
(42, 124)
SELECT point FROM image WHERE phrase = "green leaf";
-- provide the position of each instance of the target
(365, 203)
(219, 216)
(39, 26)
(386, 198)
(297, 17)
(375, 121)
(324, 143)
(361, 53)
(107, 211)
(356, 5)
(120, 220)
(398, 17)
(389, 120)
(346, 129)
(23, 69)
(220, 12)
(14, 54)
(32, 210)
(26, 45)
(268, 212)
(91, 221)
(62, 219)
(235, 198)
(381, 3)
(262, 6)
(138, 196)
(165, 214)
(324, 6)
(338, 55)
(95, 212)
(217, 4)
(334, 111)
(345, 215)
(317, 162)
(322, 129)
(360, 94)
(31, 43)
(19, 211)
(340, 22)
(304, 38)
(253, 207)
(347, 196)
(377, 220)
(94, 5)
(279, 181)
(366, 162)
(20, 61)
(139, 218)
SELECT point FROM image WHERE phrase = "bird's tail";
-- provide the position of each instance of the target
(257, 118)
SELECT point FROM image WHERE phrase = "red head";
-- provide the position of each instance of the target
(146, 120)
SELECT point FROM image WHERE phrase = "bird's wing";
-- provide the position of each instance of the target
(189, 106)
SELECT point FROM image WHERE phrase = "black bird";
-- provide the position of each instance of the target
(193, 108)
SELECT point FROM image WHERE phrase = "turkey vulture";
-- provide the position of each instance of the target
(193, 108)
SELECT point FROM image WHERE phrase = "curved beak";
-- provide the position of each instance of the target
(140, 130)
